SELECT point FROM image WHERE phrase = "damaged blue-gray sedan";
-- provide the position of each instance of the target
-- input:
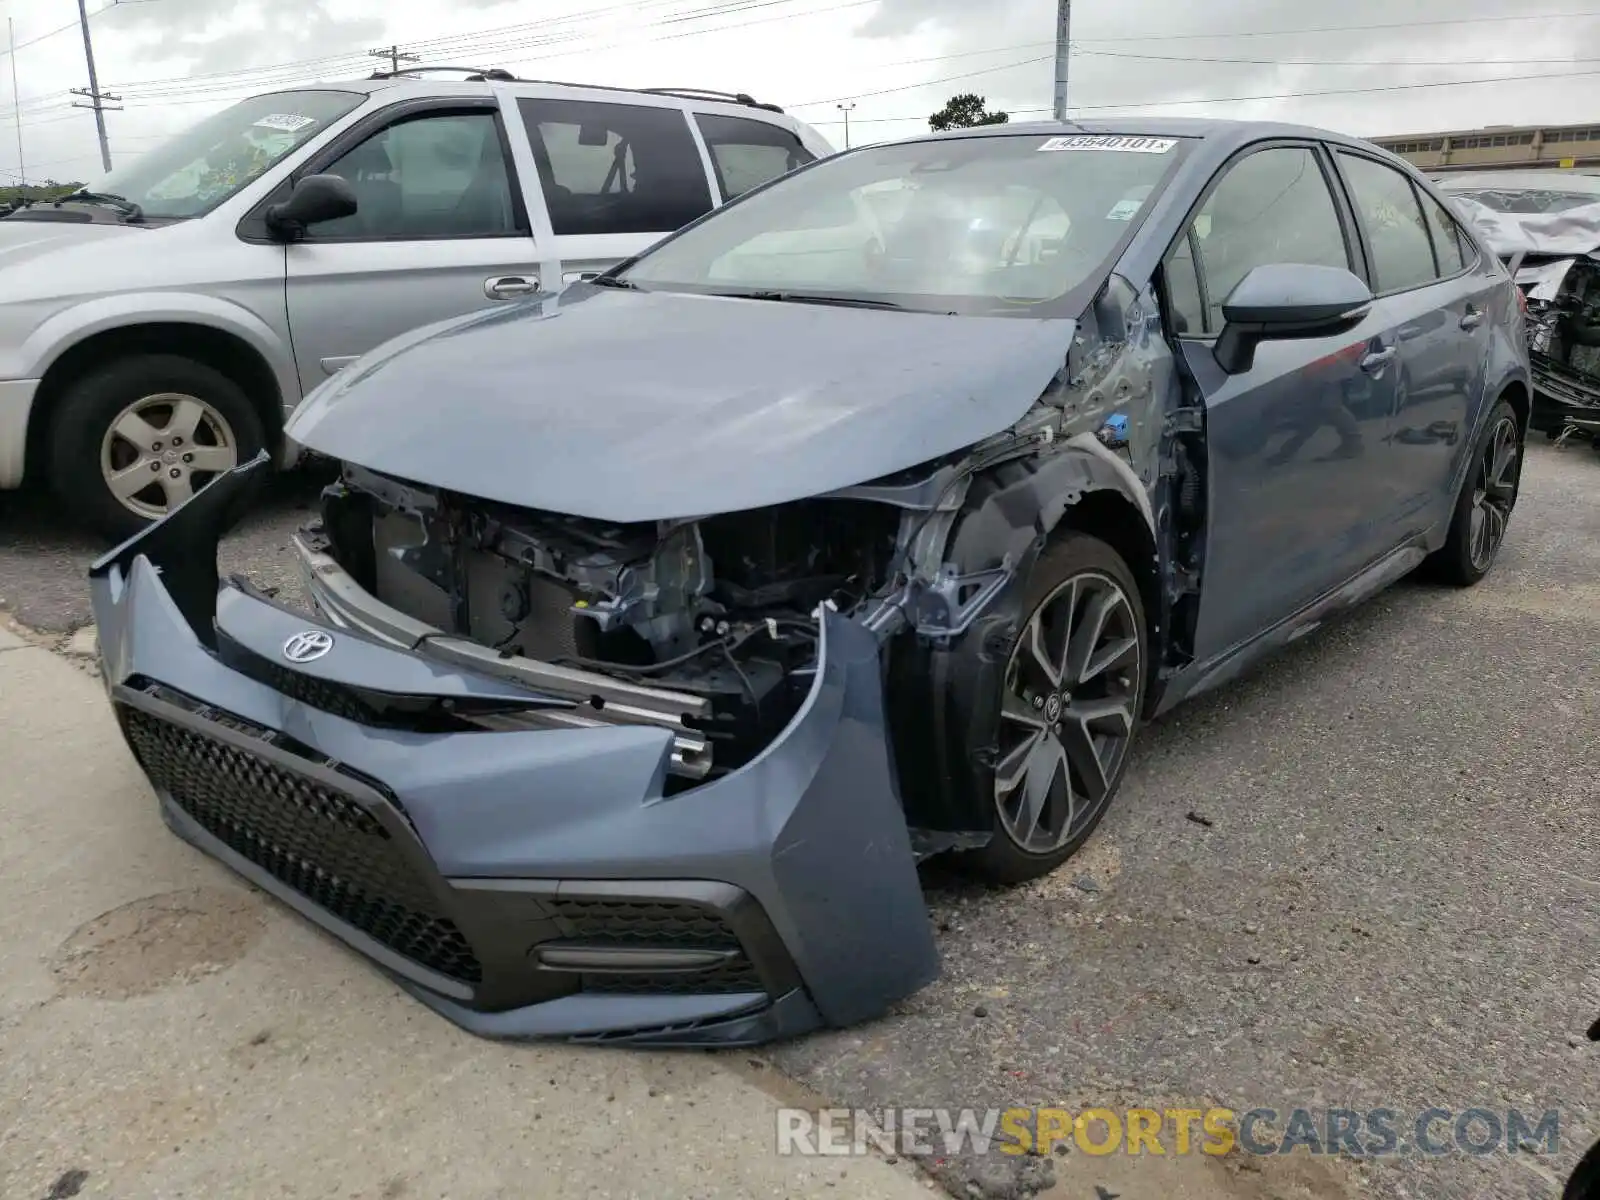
(662, 626)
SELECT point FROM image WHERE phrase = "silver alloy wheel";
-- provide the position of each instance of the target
(1067, 711)
(1494, 493)
(162, 449)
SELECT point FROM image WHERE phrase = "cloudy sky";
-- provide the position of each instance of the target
(174, 61)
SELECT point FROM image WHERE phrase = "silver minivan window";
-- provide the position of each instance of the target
(198, 169)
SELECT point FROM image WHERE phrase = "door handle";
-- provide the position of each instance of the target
(1473, 319)
(1378, 360)
(510, 287)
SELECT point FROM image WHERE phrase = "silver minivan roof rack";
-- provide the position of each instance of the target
(500, 75)
(475, 74)
(706, 94)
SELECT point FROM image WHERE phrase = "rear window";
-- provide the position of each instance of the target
(745, 154)
(615, 168)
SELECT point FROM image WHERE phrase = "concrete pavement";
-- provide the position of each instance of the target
(166, 1031)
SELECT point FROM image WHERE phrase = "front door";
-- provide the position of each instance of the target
(441, 230)
(1297, 499)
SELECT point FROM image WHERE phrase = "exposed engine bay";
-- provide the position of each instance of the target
(722, 611)
(1565, 329)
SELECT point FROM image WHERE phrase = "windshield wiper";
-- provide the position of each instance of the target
(612, 281)
(808, 298)
(129, 210)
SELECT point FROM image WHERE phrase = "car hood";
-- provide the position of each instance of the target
(635, 406)
(22, 240)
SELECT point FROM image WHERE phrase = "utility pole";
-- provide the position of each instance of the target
(394, 56)
(16, 99)
(97, 98)
(1063, 39)
(845, 109)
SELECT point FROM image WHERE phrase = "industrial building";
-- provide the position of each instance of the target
(1500, 148)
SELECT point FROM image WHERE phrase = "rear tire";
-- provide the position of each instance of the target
(1072, 692)
(1483, 508)
(167, 422)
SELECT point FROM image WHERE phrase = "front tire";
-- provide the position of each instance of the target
(1072, 692)
(1483, 508)
(137, 437)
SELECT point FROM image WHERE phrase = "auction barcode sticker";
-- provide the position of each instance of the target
(285, 122)
(1128, 145)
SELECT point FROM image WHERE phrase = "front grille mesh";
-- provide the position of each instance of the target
(318, 693)
(308, 836)
(657, 923)
(737, 975)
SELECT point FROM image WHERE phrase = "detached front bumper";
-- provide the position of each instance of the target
(526, 882)
(1563, 396)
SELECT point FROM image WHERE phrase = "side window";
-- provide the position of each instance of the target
(745, 154)
(615, 168)
(1402, 250)
(1183, 289)
(439, 176)
(1271, 207)
(1454, 255)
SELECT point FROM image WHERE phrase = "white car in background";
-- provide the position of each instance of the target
(157, 327)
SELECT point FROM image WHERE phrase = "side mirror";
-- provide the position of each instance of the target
(1287, 300)
(315, 198)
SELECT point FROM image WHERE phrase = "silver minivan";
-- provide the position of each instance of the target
(157, 327)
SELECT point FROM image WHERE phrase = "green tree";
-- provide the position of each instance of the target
(963, 112)
(47, 190)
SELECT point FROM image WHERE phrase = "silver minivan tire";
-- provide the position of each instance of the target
(131, 440)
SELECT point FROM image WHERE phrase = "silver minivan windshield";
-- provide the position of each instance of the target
(987, 225)
(193, 172)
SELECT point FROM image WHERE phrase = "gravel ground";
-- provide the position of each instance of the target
(43, 557)
(1394, 901)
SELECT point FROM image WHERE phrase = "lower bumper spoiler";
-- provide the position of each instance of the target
(1565, 387)
(523, 882)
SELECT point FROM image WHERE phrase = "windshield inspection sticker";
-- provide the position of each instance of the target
(1128, 145)
(285, 122)
(1124, 210)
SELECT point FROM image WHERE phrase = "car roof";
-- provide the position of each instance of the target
(416, 85)
(1548, 179)
(1203, 128)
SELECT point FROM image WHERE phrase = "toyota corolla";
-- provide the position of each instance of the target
(660, 627)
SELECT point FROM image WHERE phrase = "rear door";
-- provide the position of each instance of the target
(616, 177)
(1426, 279)
(1298, 501)
(441, 230)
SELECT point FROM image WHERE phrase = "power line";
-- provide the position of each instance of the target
(569, 27)
(1389, 87)
(34, 41)
(1397, 62)
(1182, 37)
(1158, 102)
(1026, 62)
(220, 91)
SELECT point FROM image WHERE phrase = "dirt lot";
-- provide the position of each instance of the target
(1391, 897)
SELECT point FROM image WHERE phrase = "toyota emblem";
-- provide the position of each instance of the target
(308, 646)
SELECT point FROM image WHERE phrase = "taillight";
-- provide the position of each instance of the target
(1522, 301)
